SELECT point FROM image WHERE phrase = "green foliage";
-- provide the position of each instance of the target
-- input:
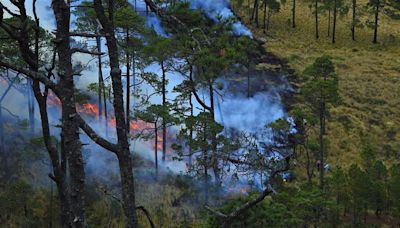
(274, 5)
(321, 83)
(155, 113)
(392, 9)
(394, 189)
(125, 17)
(85, 17)
(159, 48)
(24, 206)
(9, 48)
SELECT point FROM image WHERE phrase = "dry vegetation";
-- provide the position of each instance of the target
(369, 77)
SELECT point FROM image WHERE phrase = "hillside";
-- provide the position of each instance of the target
(369, 76)
(189, 113)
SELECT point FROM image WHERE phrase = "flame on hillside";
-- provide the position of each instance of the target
(91, 110)
(88, 109)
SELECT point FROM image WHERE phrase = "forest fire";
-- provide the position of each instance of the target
(160, 141)
(88, 109)
(136, 125)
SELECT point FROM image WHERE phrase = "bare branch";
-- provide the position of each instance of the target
(198, 99)
(88, 35)
(9, 112)
(80, 50)
(95, 137)
(267, 191)
(8, 11)
(32, 74)
(147, 213)
(217, 213)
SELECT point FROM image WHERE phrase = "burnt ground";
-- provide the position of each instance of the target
(267, 73)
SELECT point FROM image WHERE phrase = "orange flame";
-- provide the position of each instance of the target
(135, 125)
(89, 109)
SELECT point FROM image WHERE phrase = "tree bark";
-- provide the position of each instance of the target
(375, 40)
(58, 160)
(353, 22)
(334, 21)
(156, 148)
(128, 84)
(294, 14)
(321, 144)
(191, 115)
(269, 17)
(264, 28)
(256, 9)
(316, 20)
(70, 129)
(214, 155)
(123, 153)
(164, 102)
(329, 22)
(254, 15)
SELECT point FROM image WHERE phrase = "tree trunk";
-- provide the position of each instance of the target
(101, 80)
(123, 154)
(70, 129)
(156, 148)
(329, 22)
(128, 84)
(71, 144)
(102, 88)
(164, 102)
(294, 14)
(269, 17)
(190, 131)
(205, 161)
(375, 40)
(353, 23)
(265, 27)
(321, 143)
(191, 115)
(308, 166)
(214, 159)
(256, 9)
(334, 21)
(253, 13)
(31, 107)
(316, 20)
(70, 216)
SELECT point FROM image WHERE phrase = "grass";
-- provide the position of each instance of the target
(369, 77)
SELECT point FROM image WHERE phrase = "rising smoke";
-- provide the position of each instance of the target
(234, 110)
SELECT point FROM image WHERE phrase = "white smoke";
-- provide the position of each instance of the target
(155, 23)
(219, 10)
(249, 114)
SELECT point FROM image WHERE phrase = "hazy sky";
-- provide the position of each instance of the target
(44, 11)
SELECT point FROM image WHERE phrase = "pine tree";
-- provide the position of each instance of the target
(319, 91)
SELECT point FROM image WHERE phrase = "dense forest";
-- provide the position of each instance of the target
(199, 113)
